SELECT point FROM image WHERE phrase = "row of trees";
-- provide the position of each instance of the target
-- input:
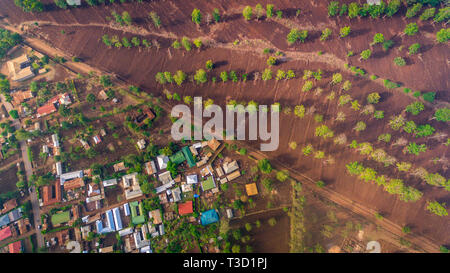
(392, 186)
(355, 9)
(125, 42)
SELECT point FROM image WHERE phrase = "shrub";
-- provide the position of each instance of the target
(442, 114)
(365, 54)
(373, 98)
(333, 8)
(399, 61)
(429, 96)
(443, 35)
(414, 48)
(411, 29)
(415, 108)
(344, 31)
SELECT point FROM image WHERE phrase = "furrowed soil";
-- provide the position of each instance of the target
(84, 27)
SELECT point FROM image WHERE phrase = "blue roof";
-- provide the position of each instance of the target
(99, 226)
(209, 217)
(4, 220)
(117, 219)
(110, 218)
(127, 209)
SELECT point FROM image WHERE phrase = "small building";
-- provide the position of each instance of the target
(165, 177)
(119, 167)
(185, 208)
(229, 213)
(69, 176)
(51, 194)
(186, 187)
(117, 218)
(150, 167)
(162, 161)
(73, 2)
(126, 209)
(251, 189)
(141, 144)
(156, 216)
(73, 184)
(209, 217)
(15, 247)
(230, 167)
(110, 182)
(58, 167)
(102, 95)
(219, 171)
(176, 194)
(55, 140)
(5, 233)
(213, 144)
(189, 157)
(177, 158)
(233, 175)
(97, 139)
(137, 215)
(208, 184)
(45, 110)
(191, 179)
(20, 69)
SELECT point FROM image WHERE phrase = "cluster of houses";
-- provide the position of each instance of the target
(53, 104)
(13, 224)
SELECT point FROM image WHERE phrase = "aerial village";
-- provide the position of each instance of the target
(69, 202)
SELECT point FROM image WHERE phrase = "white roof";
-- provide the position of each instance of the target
(125, 231)
(55, 140)
(192, 179)
(110, 182)
(58, 168)
(165, 177)
(162, 161)
(71, 175)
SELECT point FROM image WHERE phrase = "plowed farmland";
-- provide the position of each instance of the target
(235, 44)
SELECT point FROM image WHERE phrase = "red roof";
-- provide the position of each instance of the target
(185, 208)
(5, 233)
(15, 247)
(46, 109)
(51, 193)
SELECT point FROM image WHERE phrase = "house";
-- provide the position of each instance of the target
(219, 171)
(9, 205)
(21, 96)
(15, 247)
(189, 157)
(73, 184)
(126, 209)
(102, 132)
(137, 215)
(141, 144)
(85, 144)
(208, 184)
(162, 198)
(131, 186)
(224, 180)
(110, 220)
(117, 218)
(119, 167)
(251, 189)
(209, 217)
(186, 187)
(97, 139)
(73, 2)
(229, 213)
(146, 114)
(58, 167)
(85, 231)
(110, 182)
(165, 177)
(213, 144)
(55, 140)
(51, 194)
(5, 233)
(185, 208)
(93, 190)
(102, 95)
(233, 175)
(176, 194)
(15, 215)
(45, 149)
(156, 216)
(20, 69)
(139, 239)
(108, 249)
(191, 179)
(177, 158)
(230, 166)
(150, 167)
(4, 220)
(69, 176)
(162, 161)
(164, 187)
(45, 110)
(206, 171)
(125, 231)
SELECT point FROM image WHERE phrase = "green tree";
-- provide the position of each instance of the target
(399, 61)
(411, 29)
(200, 76)
(126, 18)
(90, 98)
(443, 35)
(427, 14)
(186, 43)
(392, 7)
(344, 31)
(247, 12)
(325, 34)
(442, 114)
(179, 77)
(415, 108)
(269, 10)
(155, 19)
(378, 38)
(196, 16)
(414, 48)
(216, 15)
(267, 74)
(437, 208)
(365, 54)
(265, 166)
(333, 8)
(61, 4)
(413, 10)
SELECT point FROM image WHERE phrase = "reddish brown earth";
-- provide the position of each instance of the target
(426, 72)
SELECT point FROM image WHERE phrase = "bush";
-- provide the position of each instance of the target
(399, 61)
(429, 96)
(333, 8)
(411, 29)
(344, 31)
(442, 114)
(414, 48)
(443, 35)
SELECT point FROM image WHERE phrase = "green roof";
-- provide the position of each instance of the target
(136, 208)
(189, 157)
(208, 184)
(60, 218)
(177, 158)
